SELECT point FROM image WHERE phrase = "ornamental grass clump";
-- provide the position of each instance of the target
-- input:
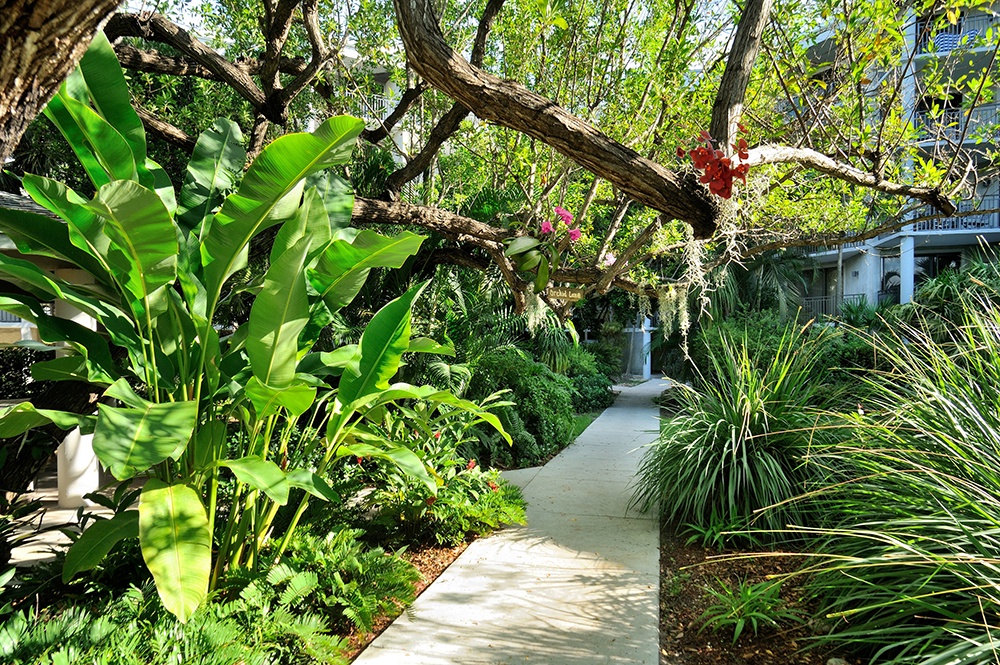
(740, 444)
(912, 539)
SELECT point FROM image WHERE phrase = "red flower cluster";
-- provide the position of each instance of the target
(718, 169)
(471, 465)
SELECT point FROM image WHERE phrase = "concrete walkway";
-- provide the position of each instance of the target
(579, 585)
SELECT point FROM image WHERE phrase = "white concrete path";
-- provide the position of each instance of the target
(577, 586)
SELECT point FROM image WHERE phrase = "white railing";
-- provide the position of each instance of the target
(373, 109)
(975, 215)
(818, 306)
(949, 124)
(965, 33)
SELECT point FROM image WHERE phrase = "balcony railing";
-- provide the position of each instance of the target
(962, 34)
(973, 215)
(948, 124)
(827, 306)
(373, 109)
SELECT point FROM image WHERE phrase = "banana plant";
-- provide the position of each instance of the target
(183, 406)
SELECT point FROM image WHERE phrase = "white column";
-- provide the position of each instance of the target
(78, 472)
(907, 268)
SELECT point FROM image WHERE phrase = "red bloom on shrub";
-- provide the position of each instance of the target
(437, 435)
(471, 465)
(430, 500)
(493, 486)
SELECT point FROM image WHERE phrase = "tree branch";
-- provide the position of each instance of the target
(514, 106)
(159, 28)
(728, 106)
(166, 131)
(408, 99)
(772, 154)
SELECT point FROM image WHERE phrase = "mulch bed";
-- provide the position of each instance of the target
(686, 571)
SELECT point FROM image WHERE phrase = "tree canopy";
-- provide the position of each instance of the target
(798, 116)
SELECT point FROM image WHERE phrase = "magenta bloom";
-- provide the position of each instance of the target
(547, 227)
(574, 234)
(564, 215)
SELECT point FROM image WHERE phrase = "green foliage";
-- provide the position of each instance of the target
(160, 263)
(746, 605)
(356, 585)
(136, 630)
(911, 524)
(739, 445)
(467, 501)
(543, 399)
(591, 388)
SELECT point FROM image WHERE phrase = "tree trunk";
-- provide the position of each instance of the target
(40, 44)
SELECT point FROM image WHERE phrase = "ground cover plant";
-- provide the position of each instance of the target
(207, 421)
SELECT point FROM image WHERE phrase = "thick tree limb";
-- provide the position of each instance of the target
(448, 224)
(452, 120)
(728, 106)
(166, 131)
(514, 106)
(40, 44)
(154, 62)
(771, 154)
(159, 28)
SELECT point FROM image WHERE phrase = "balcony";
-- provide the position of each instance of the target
(973, 215)
(961, 35)
(828, 306)
(947, 125)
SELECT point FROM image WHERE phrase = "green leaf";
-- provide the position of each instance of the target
(43, 236)
(176, 545)
(295, 398)
(60, 116)
(110, 148)
(428, 345)
(528, 260)
(70, 368)
(277, 316)
(208, 444)
(19, 418)
(263, 475)
(109, 94)
(403, 458)
(344, 266)
(130, 440)
(140, 226)
(215, 166)
(383, 342)
(312, 483)
(330, 363)
(95, 543)
(542, 280)
(521, 244)
(276, 172)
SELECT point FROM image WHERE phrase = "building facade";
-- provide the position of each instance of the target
(892, 266)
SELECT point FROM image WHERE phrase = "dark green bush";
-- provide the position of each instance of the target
(543, 399)
(592, 388)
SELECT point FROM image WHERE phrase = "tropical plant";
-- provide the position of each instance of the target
(740, 444)
(909, 542)
(747, 604)
(172, 388)
(355, 584)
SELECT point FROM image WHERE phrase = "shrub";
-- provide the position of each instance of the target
(543, 399)
(912, 525)
(747, 605)
(761, 332)
(739, 445)
(592, 389)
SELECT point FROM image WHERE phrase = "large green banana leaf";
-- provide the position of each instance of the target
(130, 440)
(176, 545)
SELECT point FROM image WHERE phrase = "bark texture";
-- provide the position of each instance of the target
(512, 105)
(40, 44)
